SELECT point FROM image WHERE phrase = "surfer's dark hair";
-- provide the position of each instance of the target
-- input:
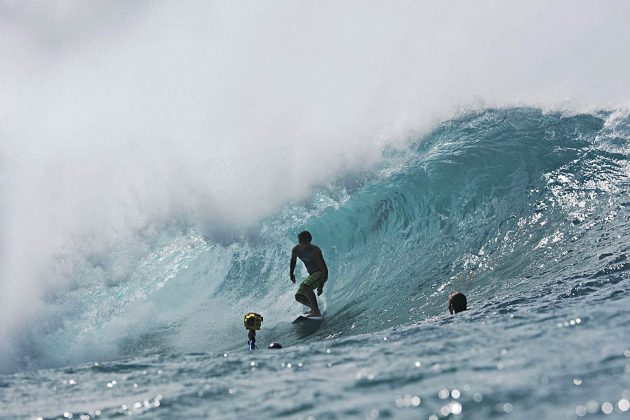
(457, 302)
(305, 236)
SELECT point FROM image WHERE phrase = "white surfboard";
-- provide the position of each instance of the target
(301, 319)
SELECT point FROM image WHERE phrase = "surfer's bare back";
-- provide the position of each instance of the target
(313, 259)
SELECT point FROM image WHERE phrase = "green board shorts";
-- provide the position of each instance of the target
(313, 281)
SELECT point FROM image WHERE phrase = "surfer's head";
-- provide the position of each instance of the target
(305, 238)
(457, 302)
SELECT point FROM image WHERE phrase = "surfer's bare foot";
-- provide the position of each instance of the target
(314, 313)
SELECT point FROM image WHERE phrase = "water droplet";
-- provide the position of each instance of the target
(607, 408)
(456, 408)
(455, 393)
(580, 410)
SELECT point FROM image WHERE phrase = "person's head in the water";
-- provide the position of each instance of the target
(305, 238)
(457, 302)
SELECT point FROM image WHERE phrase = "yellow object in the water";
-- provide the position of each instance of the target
(253, 321)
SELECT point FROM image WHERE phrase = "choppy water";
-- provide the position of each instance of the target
(527, 213)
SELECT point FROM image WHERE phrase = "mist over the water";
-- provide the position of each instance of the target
(117, 120)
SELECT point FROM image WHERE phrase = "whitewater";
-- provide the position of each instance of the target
(157, 161)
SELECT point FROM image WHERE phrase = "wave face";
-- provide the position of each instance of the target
(515, 207)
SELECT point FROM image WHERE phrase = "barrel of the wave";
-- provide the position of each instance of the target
(252, 322)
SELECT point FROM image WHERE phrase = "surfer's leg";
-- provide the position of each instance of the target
(305, 294)
(306, 297)
(302, 296)
(303, 300)
(312, 298)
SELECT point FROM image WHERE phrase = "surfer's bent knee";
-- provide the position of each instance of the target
(302, 299)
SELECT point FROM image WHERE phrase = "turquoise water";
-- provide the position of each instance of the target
(527, 213)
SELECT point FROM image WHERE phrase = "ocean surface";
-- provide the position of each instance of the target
(526, 212)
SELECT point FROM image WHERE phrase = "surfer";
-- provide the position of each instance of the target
(457, 302)
(313, 259)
